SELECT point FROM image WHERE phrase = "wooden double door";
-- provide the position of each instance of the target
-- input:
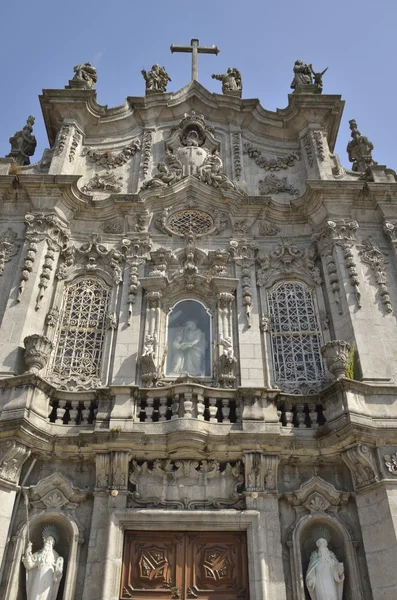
(184, 566)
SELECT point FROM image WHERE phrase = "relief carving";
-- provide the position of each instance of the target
(274, 185)
(371, 255)
(8, 247)
(362, 465)
(108, 182)
(186, 484)
(286, 259)
(110, 160)
(13, 454)
(272, 164)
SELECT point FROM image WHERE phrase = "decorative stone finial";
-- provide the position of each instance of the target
(23, 144)
(336, 353)
(306, 80)
(37, 352)
(85, 77)
(359, 149)
(231, 82)
(156, 80)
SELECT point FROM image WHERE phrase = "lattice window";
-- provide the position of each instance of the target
(190, 221)
(81, 333)
(295, 337)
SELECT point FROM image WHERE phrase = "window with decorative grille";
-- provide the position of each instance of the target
(295, 337)
(81, 331)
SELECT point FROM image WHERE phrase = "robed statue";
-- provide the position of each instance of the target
(188, 350)
(325, 574)
(44, 568)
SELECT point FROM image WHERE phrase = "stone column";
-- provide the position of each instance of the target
(110, 494)
(13, 455)
(377, 511)
(261, 495)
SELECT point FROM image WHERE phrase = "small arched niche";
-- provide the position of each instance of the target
(189, 340)
(67, 547)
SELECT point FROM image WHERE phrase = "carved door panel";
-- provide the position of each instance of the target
(203, 565)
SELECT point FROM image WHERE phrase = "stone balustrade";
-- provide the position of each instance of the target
(302, 415)
(73, 412)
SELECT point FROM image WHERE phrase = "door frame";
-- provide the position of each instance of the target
(184, 520)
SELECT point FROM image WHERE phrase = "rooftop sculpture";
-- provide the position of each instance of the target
(359, 149)
(306, 80)
(156, 80)
(231, 82)
(23, 144)
(85, 76)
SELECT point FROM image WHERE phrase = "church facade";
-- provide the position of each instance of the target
(198, 348)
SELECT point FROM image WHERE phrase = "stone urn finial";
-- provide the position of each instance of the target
(336, 353)
(37, 352)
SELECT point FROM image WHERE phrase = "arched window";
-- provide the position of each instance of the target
(295, 337)
(81, 331)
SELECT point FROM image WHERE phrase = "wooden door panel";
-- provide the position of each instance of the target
(153, 565)
(216, 566)
(184, 566)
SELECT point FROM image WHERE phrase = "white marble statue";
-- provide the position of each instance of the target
(44, 568)
(188, 350)
(325, 574)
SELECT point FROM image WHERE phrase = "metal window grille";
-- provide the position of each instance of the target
(295, 337)
(190, 221)
(81, 333)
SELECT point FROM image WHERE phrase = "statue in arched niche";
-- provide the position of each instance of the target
(188, 340)
(325, 574)
(44, 568)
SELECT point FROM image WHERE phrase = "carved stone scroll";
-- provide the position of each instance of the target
(362, 465)
(371, 255)
(8, 247)
(12, 456)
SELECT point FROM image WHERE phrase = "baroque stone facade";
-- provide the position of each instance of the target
(198, 346)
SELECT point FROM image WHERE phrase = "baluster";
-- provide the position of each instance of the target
(85, 412)
(213, 409)
(300, 415)
(225, 410)
(200, 407)
(313, 415)
(149, 409)
(289, 415)
(188, 405)
(175, 407)
(163, 408)
(239, 410)
(73, 413)
(60, 415)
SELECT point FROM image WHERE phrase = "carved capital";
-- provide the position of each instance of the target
(37, 352)
(120, 466)
(12, 456)
(260, 472)
(336, 354)
(362, 465)
(40, 226)
(102, 462)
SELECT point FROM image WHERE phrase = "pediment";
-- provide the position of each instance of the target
(316, 495)
(56, 492)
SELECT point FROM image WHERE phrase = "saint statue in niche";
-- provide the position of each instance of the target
(188, 340)
(325, 574)
(44, 568)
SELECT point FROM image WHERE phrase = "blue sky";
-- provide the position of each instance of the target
(41, 41)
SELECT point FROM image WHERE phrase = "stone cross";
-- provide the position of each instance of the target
(195, 49)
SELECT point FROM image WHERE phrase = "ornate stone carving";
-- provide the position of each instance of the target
(114, 226)
(313, 141)
(391, 463)
(109, 160)
(108, 182)
(371, 255)
(266, 227)
(260, 472)
(120, 463)
(187, 484)
(343, 232)
(242, 252)
(228, 363)
(46, 270)
(39, 227)
(336, 353)
(92, 256)
(111, 321)
(8, 247)
(43, 166)
(148, 364)
(37, 352)
(102, 471)
(286, 259)
(359, 149)
(306, 80)
(12, 456)
(74, 145)
(319, 144)
(136, 251)
(236, 142)
(162, 257)
(23, 144)
(231, 82)
(52, 317)
(325, 245)
(146, 151)
(317, 496)
(62, 138)
(274, 185)
(272, 164)
(156, 80)
(362, 465)
(85, 76)
(56, 492)
(169, 171)
(218, 260)
(210, 172)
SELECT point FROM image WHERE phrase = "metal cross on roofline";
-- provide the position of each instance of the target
(195, 49)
